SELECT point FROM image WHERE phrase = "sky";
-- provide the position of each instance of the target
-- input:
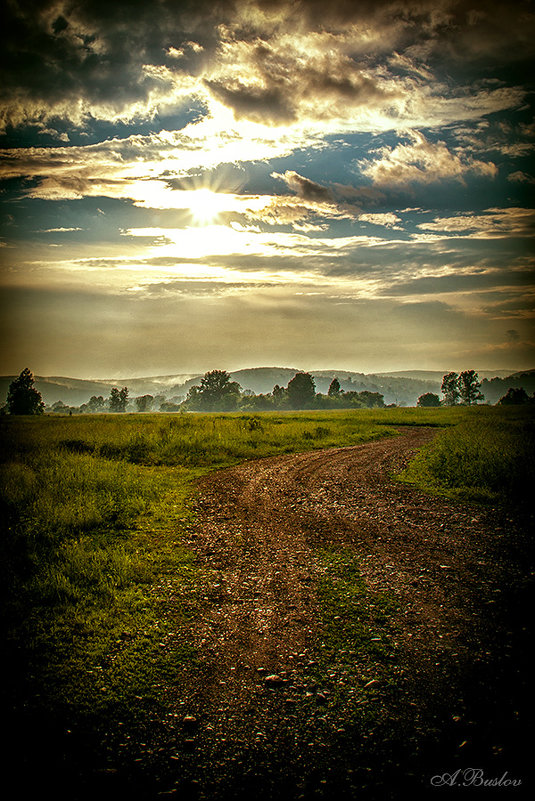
(188, 185)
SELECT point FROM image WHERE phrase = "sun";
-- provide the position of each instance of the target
(206, 205)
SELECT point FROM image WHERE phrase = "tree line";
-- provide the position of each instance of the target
(217, 392)
(463, 388)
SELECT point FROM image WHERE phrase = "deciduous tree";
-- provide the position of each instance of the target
(469, 387)
(118, 399)
(215, 392)
(280, 396)
(334, 388)
(301, 391)
(144, 403)
(96, 403)
(372, 400)
(22, 396)
(515, 396)
(450, 389)
(428, 399)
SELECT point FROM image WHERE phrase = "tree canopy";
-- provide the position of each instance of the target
(301, 391)
(469, 387)
(515, 396)
(118, 399)
(334, 388)
(216, 392)
(22, 396)
(464, 388)
(450, 389)
(427, 400)
(144, 403)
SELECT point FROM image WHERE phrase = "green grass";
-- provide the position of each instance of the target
(93, 513)
(355, 629)
(488, 456)
(191, 440)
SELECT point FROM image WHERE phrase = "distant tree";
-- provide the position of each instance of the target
(334, 388)
(215, 392)
(301, 391)
(22, 396)
(280, 396)
(118, 399)
(144, 403)
(515, 396)
(167, 406)
(256, 403)
(352, 400)
(429, 399)
(96, 403)
(450, 389)
(469, 387)
(372, 400)
(322, 401)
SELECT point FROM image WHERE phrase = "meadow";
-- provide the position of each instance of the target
(94, 512)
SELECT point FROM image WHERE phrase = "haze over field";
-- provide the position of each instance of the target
(191, 185)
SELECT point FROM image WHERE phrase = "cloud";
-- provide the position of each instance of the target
(492, 223)
(156, 333)
(387, 219)
(360, 66)
(59, 230)
(418, 161)
(129, 167)
(96, 60)
(457, 282)
(269, 107)
(521, 177)
(304, 187)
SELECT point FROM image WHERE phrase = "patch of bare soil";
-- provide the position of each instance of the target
(262, 723)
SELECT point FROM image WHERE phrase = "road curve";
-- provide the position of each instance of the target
(260, 529)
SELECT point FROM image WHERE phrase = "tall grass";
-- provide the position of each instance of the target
(489, 457)
(192, 440)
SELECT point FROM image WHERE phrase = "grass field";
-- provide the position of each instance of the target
(94, 509)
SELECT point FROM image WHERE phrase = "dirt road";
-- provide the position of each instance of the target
(270, 717)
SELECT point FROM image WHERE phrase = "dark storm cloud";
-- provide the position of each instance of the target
(255, 103)
(54, 53)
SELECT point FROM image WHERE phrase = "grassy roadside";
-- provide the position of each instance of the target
(486, 457)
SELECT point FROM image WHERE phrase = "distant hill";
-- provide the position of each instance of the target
(437, 375)
(495, 388)
(263, 379)
(402, 387)
(75, 391)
